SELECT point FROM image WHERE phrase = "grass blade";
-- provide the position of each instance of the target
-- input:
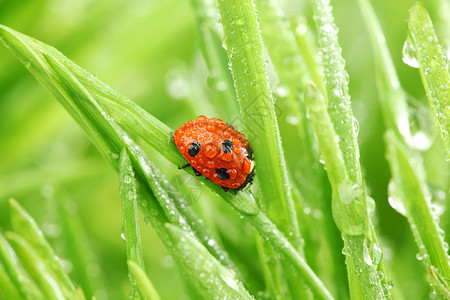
(7, 288)
(219, 77)
(24, 225)
(131, 234)
(243, 42)
(433, 66)
(36, 267)
(21, 280)
(352, 188)
(215, 281)
(348, 209)
(244, 47)
(411, 193)
(144, 283)
(391, 94)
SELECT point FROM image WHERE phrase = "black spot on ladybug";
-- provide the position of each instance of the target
(197, 173)
(222, 174)
(194, 148)
(227, 146)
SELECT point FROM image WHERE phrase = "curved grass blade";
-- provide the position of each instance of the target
(36, 267)
(26, 287)
(215, 280)
(411, 192)
(25, 226)
(7, 288)
(352, 188)
(392, 96)
(348, 209)
(433, 66)
(144, 283)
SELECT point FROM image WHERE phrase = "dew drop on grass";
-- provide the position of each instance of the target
(394, 199)
(421, 125)
(366, 253)
(355, 127)
(370, 203)
(409, 54)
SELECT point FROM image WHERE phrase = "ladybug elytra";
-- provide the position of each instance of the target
(216, 150)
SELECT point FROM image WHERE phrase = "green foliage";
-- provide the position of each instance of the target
(32, 270)
(307, 228)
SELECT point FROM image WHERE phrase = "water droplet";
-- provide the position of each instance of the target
(394, 199)
(409, 54)
(421, 125)
(370, 203)
(355, 127)
(122, 236)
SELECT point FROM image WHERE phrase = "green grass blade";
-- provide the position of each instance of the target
(24, 225)
(24, 284)
(131, 234)
(36, 267)
(269, 231)
(7, 288)
(30, 53)
(219, 77)
(391, 95)
(411, 192)
(145, 285)
(78, 250)
(245, 51)
(214, 280)
(336, 79)
(348, 208)
(433, 68)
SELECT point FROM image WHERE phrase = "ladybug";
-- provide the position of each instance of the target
(216, 150)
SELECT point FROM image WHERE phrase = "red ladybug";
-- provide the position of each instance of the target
(217, 151)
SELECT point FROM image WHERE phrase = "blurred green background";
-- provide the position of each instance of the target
(149, 51)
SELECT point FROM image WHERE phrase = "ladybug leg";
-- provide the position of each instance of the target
(184, 166)
(197, 173)
(225, 189)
